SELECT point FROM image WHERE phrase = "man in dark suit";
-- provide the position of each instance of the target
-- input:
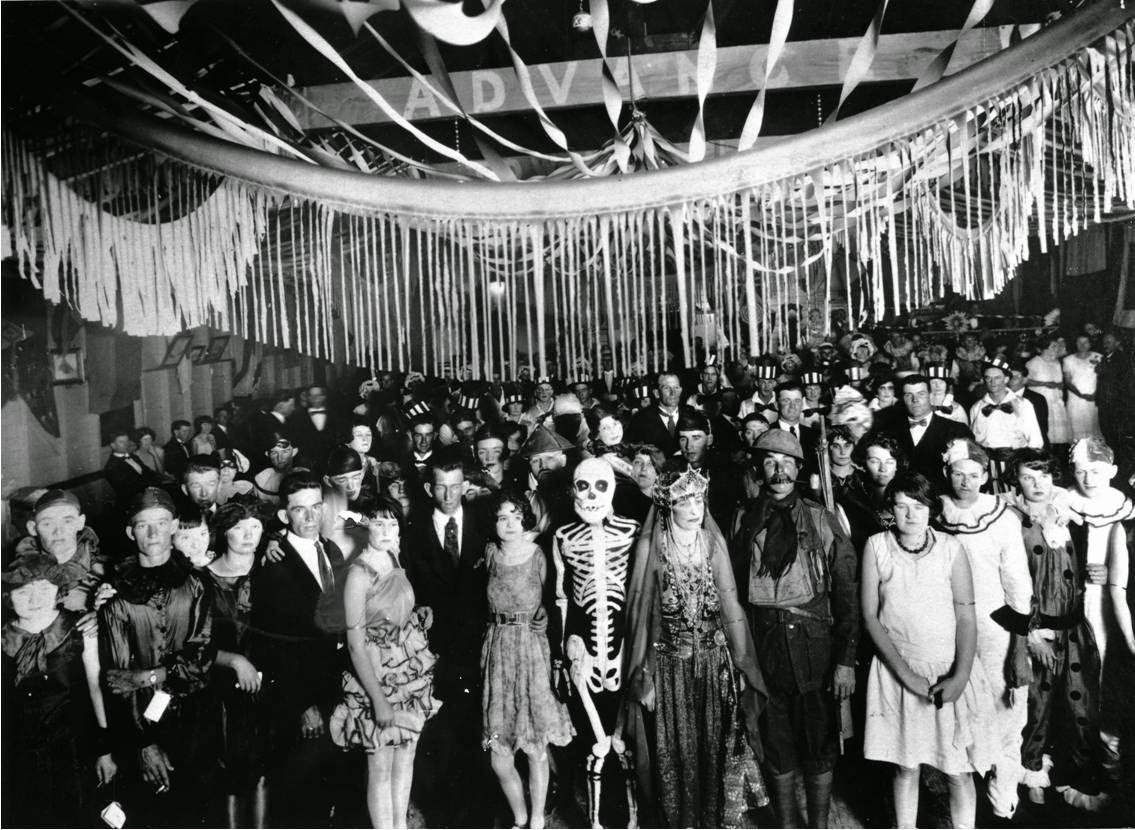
(657, 424)
(299, 656)
(444, 561)
(177, 448)
(265, 422)
(922, 433)
(698, 451)
(199, 484)
(126, 473)
(790, 408)
(315, 429)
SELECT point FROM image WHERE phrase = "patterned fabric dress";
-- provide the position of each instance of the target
(1063, 725)
(396, 644)
(697, 706)
(916, 608)
(519, 710)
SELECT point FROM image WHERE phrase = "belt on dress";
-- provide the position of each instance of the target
(683, 644)
(511, 618)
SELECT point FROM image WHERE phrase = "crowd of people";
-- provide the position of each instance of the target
(655, 601)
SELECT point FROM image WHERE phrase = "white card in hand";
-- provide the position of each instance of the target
(113, 816)
(157, 707)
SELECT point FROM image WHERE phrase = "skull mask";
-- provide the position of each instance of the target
(594, 486)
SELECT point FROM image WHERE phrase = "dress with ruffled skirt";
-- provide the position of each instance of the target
(396, 643)
(917, 612)
(519, 709)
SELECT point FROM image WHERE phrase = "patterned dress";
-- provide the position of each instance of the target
(697, 708)
(1063, 725)
(396, 645)
(519, 710)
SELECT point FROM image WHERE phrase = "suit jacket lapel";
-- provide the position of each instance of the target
(304, 576)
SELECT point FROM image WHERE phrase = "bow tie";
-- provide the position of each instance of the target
(945, 410)
(819, 410)
(921, 423)
(988, 409)
(768, 406)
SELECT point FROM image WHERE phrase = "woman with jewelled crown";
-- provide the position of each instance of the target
(692, 668)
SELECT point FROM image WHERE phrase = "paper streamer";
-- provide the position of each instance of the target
(862, 59)
(707, 66)
(781, 22)
(328, 51)
(937, 67)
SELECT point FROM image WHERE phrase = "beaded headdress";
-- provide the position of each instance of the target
(672, 487)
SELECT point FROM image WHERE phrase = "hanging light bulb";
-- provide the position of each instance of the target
(581, 21)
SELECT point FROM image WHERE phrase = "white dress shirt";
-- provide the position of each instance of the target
(441, 520)
(309, 554)
(916, 432)
(757, 404)
(1011, 430)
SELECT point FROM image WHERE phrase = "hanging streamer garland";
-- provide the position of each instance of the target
(428, 275)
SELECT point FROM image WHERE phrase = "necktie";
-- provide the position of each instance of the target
(451, 545)
(326, 575)
(671, 424)
(987, 410)
(793, 431)
(921, 423)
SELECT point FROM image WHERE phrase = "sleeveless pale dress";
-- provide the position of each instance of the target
(1083, 416)
(916, 608)
(1048, 371)
(396, 645)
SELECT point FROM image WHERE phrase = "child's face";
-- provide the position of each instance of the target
(57, 527)
(194, 543)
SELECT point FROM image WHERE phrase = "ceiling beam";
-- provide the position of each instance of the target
(660, 75)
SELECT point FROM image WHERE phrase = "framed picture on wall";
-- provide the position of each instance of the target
(197, 354)
(67, 367)
(176, 350)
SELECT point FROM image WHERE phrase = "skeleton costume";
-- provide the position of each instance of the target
(593, 560)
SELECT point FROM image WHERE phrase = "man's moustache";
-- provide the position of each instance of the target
(781, 479)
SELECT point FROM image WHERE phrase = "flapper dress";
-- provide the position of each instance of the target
(402, 662)
(916, 609)
(519, 710)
